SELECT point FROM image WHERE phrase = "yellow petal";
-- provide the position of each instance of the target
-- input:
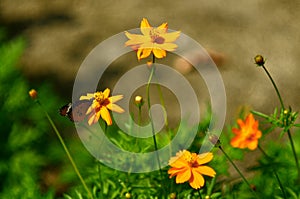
(174, 171)
(171, 37)
(205, 170)
(204, 158)
(184, 175)
(87, 97)
(115, 98)
(93, 118)
(105, 115)
(162, 29)
(136, 39)
(167, 46)
(115, 108)
(159, 53)
(145, 27)
(197, 180)
(106, 93)
(143, 53)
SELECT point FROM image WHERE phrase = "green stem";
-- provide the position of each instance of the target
(274, 85)
(275, 172)
(199, 193)
(288, 132)
(237, 169)
(66, 150)
(100, 179)
(150, 115)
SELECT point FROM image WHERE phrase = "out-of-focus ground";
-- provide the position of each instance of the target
(60, 34)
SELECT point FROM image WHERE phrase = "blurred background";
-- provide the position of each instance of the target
(50, 39)
(60, 34)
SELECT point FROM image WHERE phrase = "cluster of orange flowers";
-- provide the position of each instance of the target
(186, 166)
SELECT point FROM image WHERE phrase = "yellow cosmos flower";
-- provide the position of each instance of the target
(156, 40)
(187, 166)
(100, 105)
(247, 135)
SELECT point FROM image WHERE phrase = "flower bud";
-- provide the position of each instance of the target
(127, 195)
(214, 140)
(139, 100)
(33, 94)
(259, 60)
(172, 196)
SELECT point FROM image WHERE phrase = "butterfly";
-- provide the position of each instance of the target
(76, 112)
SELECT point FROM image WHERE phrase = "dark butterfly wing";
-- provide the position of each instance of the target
(78, 110)
(64, 110)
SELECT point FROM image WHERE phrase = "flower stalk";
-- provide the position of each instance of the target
(237, 169)
(261, 63)
(275, 172)
(66, 150)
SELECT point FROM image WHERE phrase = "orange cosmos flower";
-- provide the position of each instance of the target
(100, 105)
(155, 40)
(190, 167)
(247, 135)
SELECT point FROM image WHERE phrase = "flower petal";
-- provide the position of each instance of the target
(87, 97)
(205, 170)
(204, 158)
(159, 53)
(171, 37)
(184, 175)
(143, 53)
(106, 93)
(197, 180)
(105, 115)
(145, 27)
(115, 98)
(167, 46)
(115, 108)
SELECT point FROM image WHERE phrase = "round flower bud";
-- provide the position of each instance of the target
(259, 60)
(172, 196)
(214, 140)
(127, 195)
(139, 101)
(33, 94)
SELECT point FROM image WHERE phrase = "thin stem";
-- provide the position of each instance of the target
(199, 193)
(274, 85)
(67, 151)
(237, 169)
(100, 179)
(275, 172)
(288, 132)
(151, 120)
(295, 154)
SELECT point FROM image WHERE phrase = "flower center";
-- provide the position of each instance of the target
(100, 98)
(189, 157)
(156, 38)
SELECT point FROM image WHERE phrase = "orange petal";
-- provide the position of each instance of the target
(253, 145)
(204, 158)
(179, 163)
(205, 170)
(105, 115)
(197, 180)
(174, 171)
(184, 175)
